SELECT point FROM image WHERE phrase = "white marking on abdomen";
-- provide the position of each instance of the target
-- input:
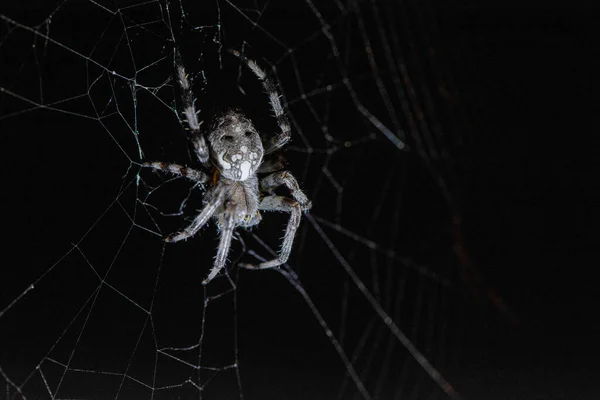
(222, 162)
(245, 168)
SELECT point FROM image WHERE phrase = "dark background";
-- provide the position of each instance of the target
(525, 78)
(528, 77)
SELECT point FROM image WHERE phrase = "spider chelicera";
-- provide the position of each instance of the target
(231, 161)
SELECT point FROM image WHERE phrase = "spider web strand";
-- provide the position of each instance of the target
(387, 320)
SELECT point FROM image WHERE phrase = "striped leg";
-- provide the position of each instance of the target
(189, 110)
(270, 182)
(280, 203)
(214, 201)
(180, 170)
(227, 226)
(284, 124)
(272, 165)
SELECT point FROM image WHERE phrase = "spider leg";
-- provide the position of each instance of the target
(271, 165)
(285, 132)
(189, 110)
(270, 182)
(227, 226)
(280, 203)
(190, 173)
(202, 218)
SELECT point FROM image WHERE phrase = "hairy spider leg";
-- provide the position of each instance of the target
(189, 110)
(209, 209)
(285, 133)
(281, 203)
(180, 170)
(227, 227)
(270, 182)
(271, 165)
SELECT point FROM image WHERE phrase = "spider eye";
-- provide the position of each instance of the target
(228, 138)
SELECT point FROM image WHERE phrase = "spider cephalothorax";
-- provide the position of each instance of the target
(236, 194)
(235, 146)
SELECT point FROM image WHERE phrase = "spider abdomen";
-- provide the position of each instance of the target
(237, 150)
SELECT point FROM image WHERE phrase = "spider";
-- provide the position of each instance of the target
(231, 161)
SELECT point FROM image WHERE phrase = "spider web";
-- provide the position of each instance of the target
(96, 305)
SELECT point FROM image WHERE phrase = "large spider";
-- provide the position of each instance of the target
(230, 161)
